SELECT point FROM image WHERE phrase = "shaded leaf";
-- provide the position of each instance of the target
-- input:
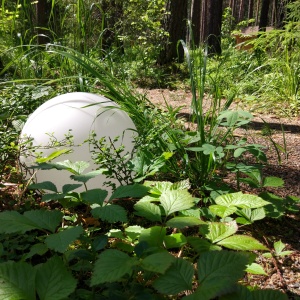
(202, 245)
(17, 281)
(94, 196)
(45, 185)
(86, 177)
(53, 280)
(154, 236)
(181, 222)
(111, 266)
(110, 213)
(62, 240)
(157, 262)
(45, 219)
(134, 191)
(148, 210)
(176, 279)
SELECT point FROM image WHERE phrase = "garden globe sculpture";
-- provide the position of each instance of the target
(78, 114)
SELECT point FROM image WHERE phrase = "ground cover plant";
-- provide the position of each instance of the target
(174, 228)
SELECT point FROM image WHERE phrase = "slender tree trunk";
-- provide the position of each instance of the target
(250, 9)
(263, 21)
(175, 24)
(196, 21)
(215, 10)
(43, 10)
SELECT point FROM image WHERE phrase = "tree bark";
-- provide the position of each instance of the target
(196, 20)
(43, 10)
(175, 24)
(263, 20)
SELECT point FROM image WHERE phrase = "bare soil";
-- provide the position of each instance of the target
(283, 272)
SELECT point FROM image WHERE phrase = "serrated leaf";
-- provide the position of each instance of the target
(148, 210)
(13, 222)
(133, 232)
(278, 247)
(76, 168)
(154, 236)
(176, 279)
(53, 280)
(36, 249)
(255, 269)
(62, 240)
(175, 240)
(134, 190)
(99, 243)
(181, 222)
(17, 281)
(158, 187)
(202, 245)
(217, 231)
(157, 262)
(67, 188)
(219, 269)
(45, 219)
(94, 196)
(110, 213)
(242, 242)
(176, 200)
(111, 266)
(86, 177)
(272, 181)
(45, 185)
(241, 200)
(222, 211)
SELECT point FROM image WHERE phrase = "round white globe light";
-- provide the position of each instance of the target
(80, 114)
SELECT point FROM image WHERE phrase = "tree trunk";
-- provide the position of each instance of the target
(215, 24)
(250, 9)
(263, 21)
(196, 20)
(175, 24)
(43, 10)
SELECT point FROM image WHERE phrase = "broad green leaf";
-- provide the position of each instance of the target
(86, 177)
(202, 245)
(158, 187)
(134, 191)
(278, 247)
(67, 188)
(148, 210)
(45, 185)
(176, 200)
(133, 232)
(110, 213)
(217, 231)
(255, 269)
(219, 269)
(176, 279)
(53, 280)
(76, 168)
(157, 262)
(250, 215)
(36, 249)
(45, 219)
(100, 242)
(181, 185)
(62, 240)
(53, 155)
(272, 181)
(222, 211)
(13, 222)
(17, 281)
(175, 240)
(242, 242)
(94, 196)
(241, 200)
(154, 236)
(52, 197)
(111, 266)
(181, 222)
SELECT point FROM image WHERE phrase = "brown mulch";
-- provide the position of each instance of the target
(267, 130)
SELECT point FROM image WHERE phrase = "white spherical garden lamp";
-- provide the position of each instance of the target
(80, 114)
